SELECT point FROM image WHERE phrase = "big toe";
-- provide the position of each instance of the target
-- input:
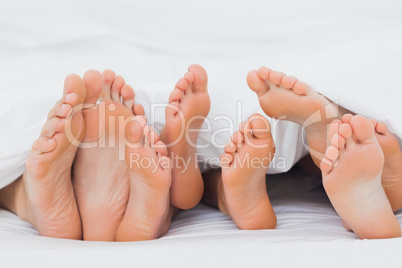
(74, 84)
(363, 130)
(255, 83)
(260, 127)
(93, 83)
(200, 77)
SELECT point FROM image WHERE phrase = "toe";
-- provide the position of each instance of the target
(263, 73)
(237, 138)
(381, 128)
(332, 153)
(347, 118)
(128, 95)
(172, 109)
(326, 166)
(362, 128)
(289, 81)
(338, 141)
(160, 148)
(175, 95)
(373, 122)
(230, 147)
(117, 85)
(301, 88)
(226, 160)
(200, 78)
(52, 127)
(182, 84)
(345, 131)
(134, 131)
(93, 83)
(260, 127)
(61, 109)
(74, 84)
(139, 110)
(256, 84)
(276, 77)
(43, 145)
(108, 78)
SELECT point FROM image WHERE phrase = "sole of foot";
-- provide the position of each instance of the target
(148, 212)
(391, 177)
(244, 166)
(189, 104)
(45, 195)
(101, 177)
(284, 97)
(351, 173)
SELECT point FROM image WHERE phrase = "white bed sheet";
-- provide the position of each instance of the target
(150, 44)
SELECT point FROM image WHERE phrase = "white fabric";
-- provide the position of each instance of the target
(150, 43)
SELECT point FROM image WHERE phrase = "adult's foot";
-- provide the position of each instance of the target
(391, 177)
(189, 105)
(243, 194)
(286, 98)
(44, 195)
(100, 174)
(148, 212)
(352, 179)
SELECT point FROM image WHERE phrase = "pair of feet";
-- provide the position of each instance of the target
(360, 159)
(120, 184)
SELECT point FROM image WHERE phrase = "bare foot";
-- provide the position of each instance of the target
(101, 177)
(44, 195)
(286, 98)
(244, 166)
(392, 172)
(191, 104)
(148, 211)
(352, 179)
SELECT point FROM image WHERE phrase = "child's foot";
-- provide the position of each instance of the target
(244, 166)
(284, 97)
(148, 211)
(45, 195)
(392, 172)
(189, 105)
(101, 177)
(352, 179)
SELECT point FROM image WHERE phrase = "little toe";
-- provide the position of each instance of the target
(128, 95)
(326, 166)
(43, 145)
(93, 84)
(276, 77)
(161, 148)
(301, 88)
(108, 78)
(362, 128)
(226, 159)
(256, 84)
(117, 85)
(381, 128)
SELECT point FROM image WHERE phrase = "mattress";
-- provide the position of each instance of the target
(339, 47)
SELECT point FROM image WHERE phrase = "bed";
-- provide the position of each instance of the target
(345, 49)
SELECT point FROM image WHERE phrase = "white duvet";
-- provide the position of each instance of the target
(349, 51)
